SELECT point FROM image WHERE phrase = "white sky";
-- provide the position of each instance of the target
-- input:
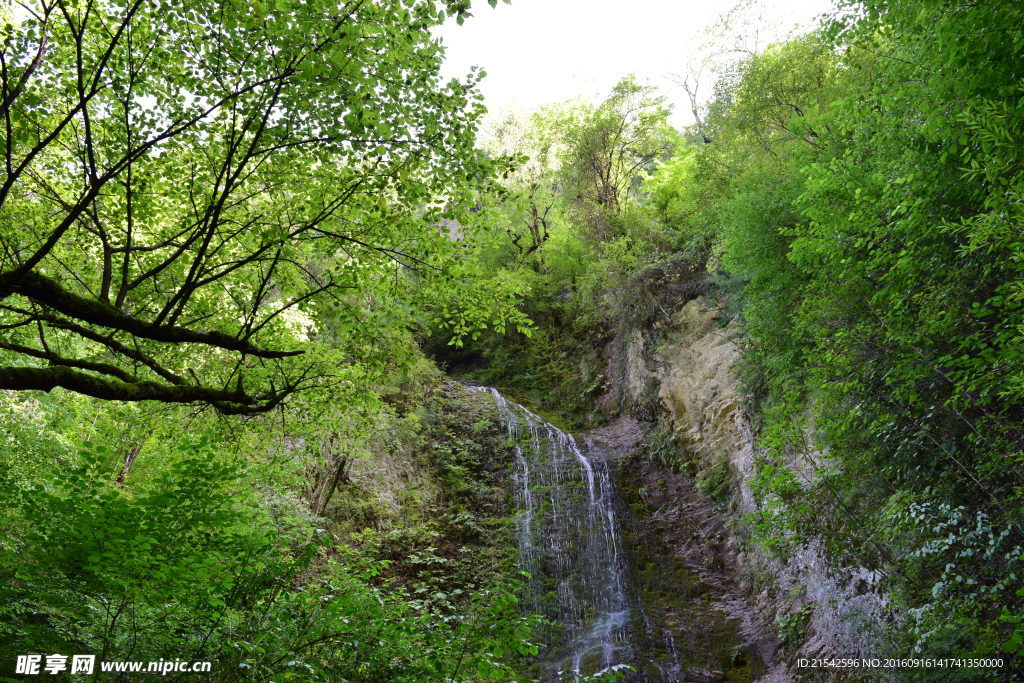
(541, 51)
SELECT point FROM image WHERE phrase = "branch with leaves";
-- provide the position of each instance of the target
(186, 189)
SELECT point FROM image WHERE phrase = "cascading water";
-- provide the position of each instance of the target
(569, 544)
(609, 603)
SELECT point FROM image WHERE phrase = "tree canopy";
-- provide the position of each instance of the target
(184, 186)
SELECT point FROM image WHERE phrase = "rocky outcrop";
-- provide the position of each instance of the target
(685, 576)
(686, 366)
(700, 391)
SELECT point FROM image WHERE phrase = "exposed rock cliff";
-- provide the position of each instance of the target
(682, 373)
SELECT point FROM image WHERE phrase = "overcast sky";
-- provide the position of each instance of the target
(541, 51)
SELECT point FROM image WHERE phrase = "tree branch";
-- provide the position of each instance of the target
(47, 292)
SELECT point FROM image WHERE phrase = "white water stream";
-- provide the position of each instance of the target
(569, 543)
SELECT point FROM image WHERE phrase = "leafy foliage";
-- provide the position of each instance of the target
(246, 206)
(589, 254)
(204, 548)
(868, 180)
(186, 187)
(856, 191)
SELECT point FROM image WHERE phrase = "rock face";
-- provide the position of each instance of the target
(694, 621)
(700, 390)
(683, 371)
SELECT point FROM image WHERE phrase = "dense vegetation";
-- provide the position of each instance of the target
(219, 224)
(855, 195)
(276, 549)
(228, 227)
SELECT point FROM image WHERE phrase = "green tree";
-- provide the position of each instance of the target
(531, 211)
(869, 193)
(185, 187)
(609, 149)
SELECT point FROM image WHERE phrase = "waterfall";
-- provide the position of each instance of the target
(615, 591)
(569, 544)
